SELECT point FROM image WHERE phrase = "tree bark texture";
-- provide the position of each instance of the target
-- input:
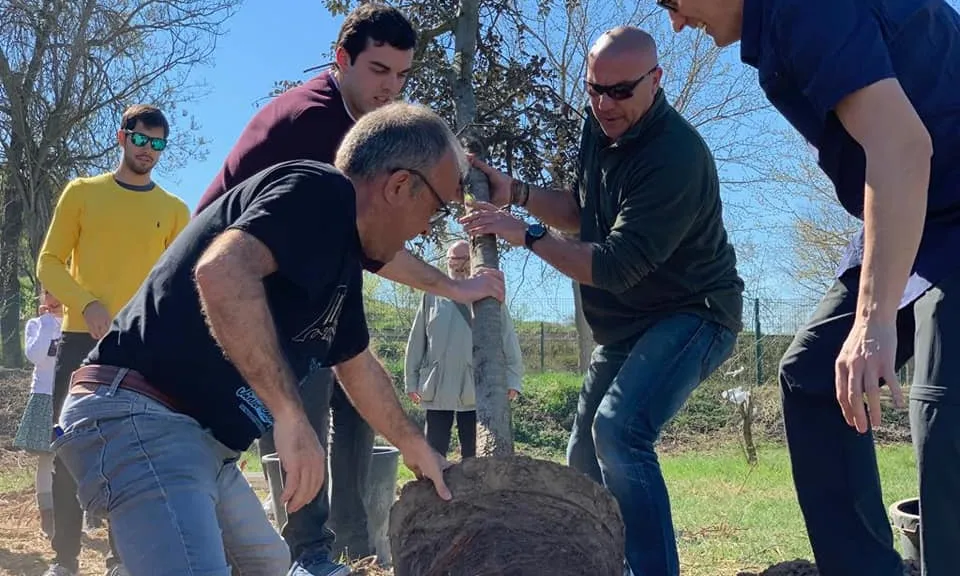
(585, 342)
(11, 228)
(494, 429)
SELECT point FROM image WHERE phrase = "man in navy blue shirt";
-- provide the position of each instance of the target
(874, 86)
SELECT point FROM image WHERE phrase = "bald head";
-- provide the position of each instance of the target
(623, 78)
(458, 259)
(459, 249)
(625, 42)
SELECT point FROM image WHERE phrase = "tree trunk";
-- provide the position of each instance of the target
(11, 229)
(494, 429)
(584, 334)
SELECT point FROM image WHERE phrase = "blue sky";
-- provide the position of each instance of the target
(264, 42)
(269, 41)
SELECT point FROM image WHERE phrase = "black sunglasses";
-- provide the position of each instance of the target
(140, 140)
(670, 5)
(444, 210)
(621, 90)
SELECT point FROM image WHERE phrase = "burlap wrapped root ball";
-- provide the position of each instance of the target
(510, 516)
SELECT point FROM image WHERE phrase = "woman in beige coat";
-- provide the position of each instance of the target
(439, 362)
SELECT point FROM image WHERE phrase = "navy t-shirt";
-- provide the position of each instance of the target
(305, 213)
(810, 54)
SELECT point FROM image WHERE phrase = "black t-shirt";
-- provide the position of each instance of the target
(315, 297)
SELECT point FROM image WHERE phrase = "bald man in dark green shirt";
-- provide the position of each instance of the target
(657, 275)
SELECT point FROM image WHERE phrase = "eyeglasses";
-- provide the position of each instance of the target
(670, 5)
(140, 140)
(444, 210)
(621, 90)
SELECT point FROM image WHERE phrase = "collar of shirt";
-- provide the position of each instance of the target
(750, 35)
(656, 111)
(336, 85)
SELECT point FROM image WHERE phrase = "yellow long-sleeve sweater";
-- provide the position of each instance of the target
(112, 234)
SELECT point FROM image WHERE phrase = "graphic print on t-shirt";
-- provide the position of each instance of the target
(254, 409)
(322, 329)
(325, 326)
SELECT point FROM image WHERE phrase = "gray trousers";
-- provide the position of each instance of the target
(835, 468)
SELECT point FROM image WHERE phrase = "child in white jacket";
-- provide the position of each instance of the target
(35, 433)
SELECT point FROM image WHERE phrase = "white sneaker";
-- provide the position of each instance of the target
(58, 570)
(268, 508)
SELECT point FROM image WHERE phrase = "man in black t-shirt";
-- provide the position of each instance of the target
(260, 289)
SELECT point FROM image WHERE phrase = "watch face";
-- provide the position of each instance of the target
(534, 233)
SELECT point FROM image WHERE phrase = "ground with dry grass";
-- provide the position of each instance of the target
(731, 518)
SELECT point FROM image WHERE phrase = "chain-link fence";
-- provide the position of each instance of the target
(553, 345)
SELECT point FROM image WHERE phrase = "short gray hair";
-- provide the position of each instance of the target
(398, 135)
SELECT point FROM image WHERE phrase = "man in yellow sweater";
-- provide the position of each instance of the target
(106, 234)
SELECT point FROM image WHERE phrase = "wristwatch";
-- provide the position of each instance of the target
(534, 233)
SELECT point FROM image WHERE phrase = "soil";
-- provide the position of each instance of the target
(509, 516)
(482, 487)
(25, 550)
(807, 568)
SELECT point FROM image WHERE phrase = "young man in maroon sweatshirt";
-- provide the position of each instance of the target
(374, 55)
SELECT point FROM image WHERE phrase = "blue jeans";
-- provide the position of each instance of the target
(175, 497)
(631, 391)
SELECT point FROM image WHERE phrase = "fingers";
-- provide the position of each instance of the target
(871, 387)
(483, 222)
(843, 396)
(893, 383)
(495, 284)
(291, 482)
(481, 165)
(309, 480)
(855, 394)
(435, 474)
(97, 331)
(482, 206)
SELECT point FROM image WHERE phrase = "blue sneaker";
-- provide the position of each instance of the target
(317, 565)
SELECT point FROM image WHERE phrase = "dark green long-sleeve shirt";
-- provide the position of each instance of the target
(650, 202)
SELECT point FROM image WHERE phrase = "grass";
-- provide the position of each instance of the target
(729, 516)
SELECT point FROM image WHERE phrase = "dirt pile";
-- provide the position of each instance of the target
(806, 568)
(513, 516)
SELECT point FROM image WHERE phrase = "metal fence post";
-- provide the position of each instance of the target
(757, 341)
(542, 351)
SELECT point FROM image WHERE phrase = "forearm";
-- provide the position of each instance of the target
(556, 207)
(895, 201)
(370, 389)
(35, 343)
(409, 270)
(52, 273)
(237, 313)
(572, 258)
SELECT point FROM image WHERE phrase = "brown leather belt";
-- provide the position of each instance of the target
(86, 380)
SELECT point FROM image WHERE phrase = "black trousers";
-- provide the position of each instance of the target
(335, 521)
(439, 426)
(835, 468)
(67, 513)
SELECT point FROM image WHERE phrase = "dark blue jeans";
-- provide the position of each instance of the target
(632, 390)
